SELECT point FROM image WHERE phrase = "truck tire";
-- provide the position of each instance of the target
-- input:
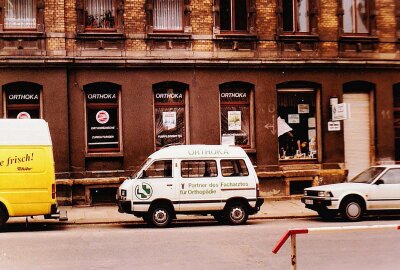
(160, 216)
(236, 214)
(3, 217)
(352, 210)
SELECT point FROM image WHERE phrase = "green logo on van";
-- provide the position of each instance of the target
(143, 191)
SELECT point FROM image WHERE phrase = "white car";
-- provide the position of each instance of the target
(376, 189)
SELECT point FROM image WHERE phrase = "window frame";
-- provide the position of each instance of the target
(33, 86)
(372, 30)
(354, 18)
(232, 18)
(92, 87)
(295, 21)
(250, 88)
(155, 30)
(92, 29)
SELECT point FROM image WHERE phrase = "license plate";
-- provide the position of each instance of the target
(308, 201)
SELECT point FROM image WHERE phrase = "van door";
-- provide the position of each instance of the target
(199, 186)
(157, 182)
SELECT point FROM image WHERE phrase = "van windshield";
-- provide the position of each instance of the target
(136, 174)
(368, 175)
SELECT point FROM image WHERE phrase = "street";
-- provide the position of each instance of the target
(196, 245)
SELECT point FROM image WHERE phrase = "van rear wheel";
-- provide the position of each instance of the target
(237, 214)
(3, 217)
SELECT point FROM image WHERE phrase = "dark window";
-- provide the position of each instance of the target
(199, 168)
(100, 14)
(233, 167)
(159, 169)
(102, 117)
(20, 14)
(236, 121)
(296, 15)
(169, 112)
(356, 17)
(22, 100)
(297, 124)
(233, 15)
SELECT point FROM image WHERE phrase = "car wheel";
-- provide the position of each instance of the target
(160, 216)
(326, 215)
(352, 210)
(3, 218)
(236, 214)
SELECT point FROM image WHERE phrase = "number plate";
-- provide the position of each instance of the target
(309, 201)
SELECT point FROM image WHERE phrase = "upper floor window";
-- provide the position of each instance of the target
(102, 117)
(356, 16)
(19, 14)
(100, 14)
(296, 15)
(168, 15)
(23, 100)
(233, 15)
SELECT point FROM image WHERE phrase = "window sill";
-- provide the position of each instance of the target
(169, 35)
(236, 36)
(21, 34)
(358, 38)
(298, 37)
(102, 35)
(109, 155)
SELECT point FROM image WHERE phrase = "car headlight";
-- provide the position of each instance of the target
(324, 194)
(305, 192)
(123, 192)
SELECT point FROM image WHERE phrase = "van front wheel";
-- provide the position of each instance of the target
(160, 216)
(237, 214)
(3, 217)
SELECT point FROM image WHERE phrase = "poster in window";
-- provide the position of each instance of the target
(303, 108)
(293, 118)
(169, 120)
(102, 128)
(228, 140)
(311, 122)
(234, 120)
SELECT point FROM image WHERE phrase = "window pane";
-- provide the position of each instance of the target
(235, 124)
(19, 14)
(287, 6)
(348, 17)
(169, 126)
(391, 177)
(225, 15)
(240, 15)
(99, 14)
(234, 167)
(302, 16)
(362, 17)
(159, 169)
(168, 14)
(297, 111)
(199, 168)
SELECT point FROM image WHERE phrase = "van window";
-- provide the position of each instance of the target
(199, 168)
(159, 169)
(234, 167)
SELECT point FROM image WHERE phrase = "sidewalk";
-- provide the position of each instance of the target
(109, 214)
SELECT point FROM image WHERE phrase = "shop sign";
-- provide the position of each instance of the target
(23, 115)
(102, 96)
(23, 96)
(341, 111)
(169, 96)
(334, 126)
(234, 95)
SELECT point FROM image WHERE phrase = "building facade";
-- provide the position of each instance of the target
(119, 79)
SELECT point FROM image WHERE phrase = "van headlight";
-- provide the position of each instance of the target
(123, 192)
(324, 194)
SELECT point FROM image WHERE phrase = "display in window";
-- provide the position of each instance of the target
(169, 120)
(234, 120)
(311, 122)
(303, 108)
(99, 14)
(293, 119)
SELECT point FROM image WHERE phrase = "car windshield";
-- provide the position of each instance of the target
(137, 172)
(368, 175)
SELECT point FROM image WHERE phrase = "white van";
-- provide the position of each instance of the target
(192, 179)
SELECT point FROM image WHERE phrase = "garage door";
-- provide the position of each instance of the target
(357, 130)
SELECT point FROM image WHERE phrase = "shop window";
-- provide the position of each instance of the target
(199, 168)
(102, 117)
(100, 14)
(19, 14)
(23, 100)
(234, 167)
(297, 124)
(170, 113)
(168, 15)
(236, 114)
(396, 120)
(296, 16)
(233, 15)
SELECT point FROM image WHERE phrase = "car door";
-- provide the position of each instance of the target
(385, 191)
(198, 190)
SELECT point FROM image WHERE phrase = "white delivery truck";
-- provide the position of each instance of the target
(192, 179)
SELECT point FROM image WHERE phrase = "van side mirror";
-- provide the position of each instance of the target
(379, 182)
(144, 174)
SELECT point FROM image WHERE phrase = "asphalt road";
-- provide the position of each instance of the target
(196, 245)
